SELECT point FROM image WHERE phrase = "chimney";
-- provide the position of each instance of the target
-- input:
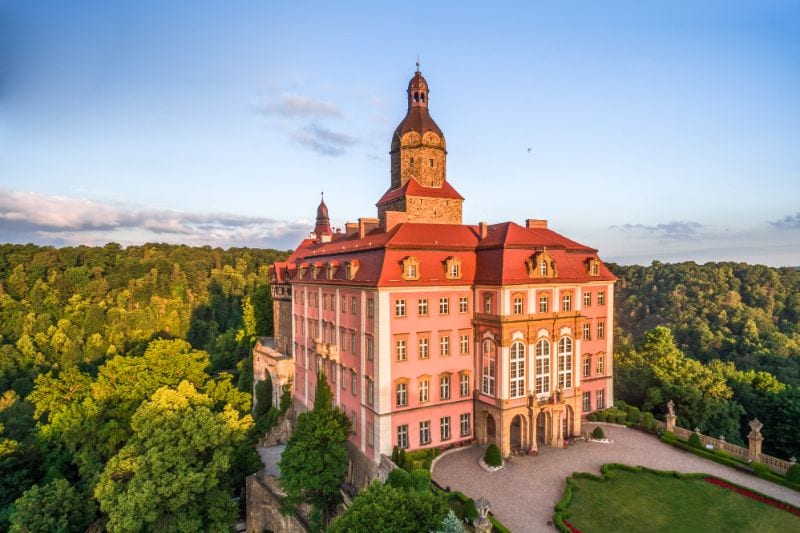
(534, 223)
(484, 229)
(365, 225)
(350, 228)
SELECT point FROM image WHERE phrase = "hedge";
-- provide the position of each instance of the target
(492, 457)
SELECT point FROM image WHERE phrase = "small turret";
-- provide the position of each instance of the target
(322, 230)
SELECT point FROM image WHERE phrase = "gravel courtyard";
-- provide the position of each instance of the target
(523, 493)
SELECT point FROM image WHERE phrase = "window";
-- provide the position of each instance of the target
(444, 306)
(353, 382)
(587, 401)
(601, 298)
(600, 399)
(402, 436)
(587, 365)
(489, 368)
(423, 348)
(542, 367)
(517, 305)
(543, 304)
(487, 304)
(400, 307)
(333, 332)
(466, 428)
(463, 304)
(595, 268)
(370, 392)
(587, 299)
(444, 345)
(600, 364)
(444, 427)
(354, 419)
(464, 344)
(424, 390)
(444, 387)
(370, 348)
(333, 373)
(324, 302)
(601, 330)
(344, 378)
(353, 345)
(370, 434)
(412, 159)
(566, 302)
(353, 305)
(370, 308)
(542, 267)
(455, 270)
(411, 270)
(425, 432)
(422, 307)
(565, 363)
(452, 268)
(400, 350)
(587, 332)
(343, 338)
(464, 384)
(517, 370)
(401, 394)
(429, 160)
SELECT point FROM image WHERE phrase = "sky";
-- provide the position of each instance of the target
(662, 130)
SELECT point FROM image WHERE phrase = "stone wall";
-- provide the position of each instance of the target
(263, 507)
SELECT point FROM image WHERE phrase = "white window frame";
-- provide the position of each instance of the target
(489, 368)
(463, 304)
(424, 432)
(444, 387)
(444, 305)
(424, 391)
(601, 297)
(517, 370)
(518, 305)
(565, 350)
(542, 367)
(464, 385)
(402, 436)
(464, 344)
(587, 299)
(400, 307)
(401, 350)
(466, 424)
(401, 394)
(566, 302)
(444, 346)
(544, 303)
(422, 307)
(444, 428)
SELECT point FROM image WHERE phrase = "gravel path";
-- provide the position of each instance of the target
(524, 492)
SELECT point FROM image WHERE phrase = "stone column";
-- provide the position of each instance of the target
(754, 439)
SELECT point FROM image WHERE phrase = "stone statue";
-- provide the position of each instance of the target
(482, 523)
(671, 407)
(755, 426)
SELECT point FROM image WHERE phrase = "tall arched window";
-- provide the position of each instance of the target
(517, 370)
(565, 363)
(489, 368)
(543, 367)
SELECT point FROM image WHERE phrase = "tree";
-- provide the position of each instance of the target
(263, 397)
(383, 508)
(451, 524)
(56, 507)
(168, 475)
(315, 459)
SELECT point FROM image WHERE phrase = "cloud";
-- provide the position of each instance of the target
(788, 222)
(293, 105)
(41, 218)
(323, 140)
(669, 231)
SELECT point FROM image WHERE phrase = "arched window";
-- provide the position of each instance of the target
(489, 368)
(517, 370)
(543, 367)
(416, 97)
(422, 96)
(565, 363)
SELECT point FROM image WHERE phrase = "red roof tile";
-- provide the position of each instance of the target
(413, 188)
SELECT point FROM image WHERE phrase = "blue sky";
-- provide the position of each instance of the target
(658, 130)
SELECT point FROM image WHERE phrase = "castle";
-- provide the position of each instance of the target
(432, 332)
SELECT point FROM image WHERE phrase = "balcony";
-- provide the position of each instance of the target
(329, 351)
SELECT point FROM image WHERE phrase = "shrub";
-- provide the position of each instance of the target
(492, 457)
(401, 455)
(793, 474)
(722, 453)
(648, 421)
(669, 436)
(597, 433)
(420, 479)
(633, 414)
(399, 479)
(621, 418)
(470, 511)
(695, 442)
(760, 468)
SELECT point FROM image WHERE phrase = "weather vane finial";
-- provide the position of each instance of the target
(417, 62)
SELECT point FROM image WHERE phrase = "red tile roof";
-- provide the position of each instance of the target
(413, 188)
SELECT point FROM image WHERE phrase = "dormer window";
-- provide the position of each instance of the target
(541, 265)
(331, 268)
(452, 268)
(315, 270)
(594, 266)
(410, 268)
(351, 269)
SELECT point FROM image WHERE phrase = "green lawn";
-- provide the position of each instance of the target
(643, 501)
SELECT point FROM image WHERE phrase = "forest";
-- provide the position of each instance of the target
(119, 360)
(722, 340)
(108, 352)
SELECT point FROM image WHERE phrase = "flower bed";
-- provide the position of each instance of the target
(754, 495)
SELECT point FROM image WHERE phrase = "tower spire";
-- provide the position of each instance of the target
(417, 62)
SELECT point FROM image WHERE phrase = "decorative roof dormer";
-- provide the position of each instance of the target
(351, 269)
(322, 229)
(593, 266)
(410, 269)
(331, 267)
(452, 268)
(541, 265)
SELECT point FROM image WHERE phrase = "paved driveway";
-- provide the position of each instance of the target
(524, 492)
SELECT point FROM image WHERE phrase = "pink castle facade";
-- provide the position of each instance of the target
(431, 332)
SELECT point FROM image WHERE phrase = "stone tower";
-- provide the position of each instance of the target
(419, 191)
